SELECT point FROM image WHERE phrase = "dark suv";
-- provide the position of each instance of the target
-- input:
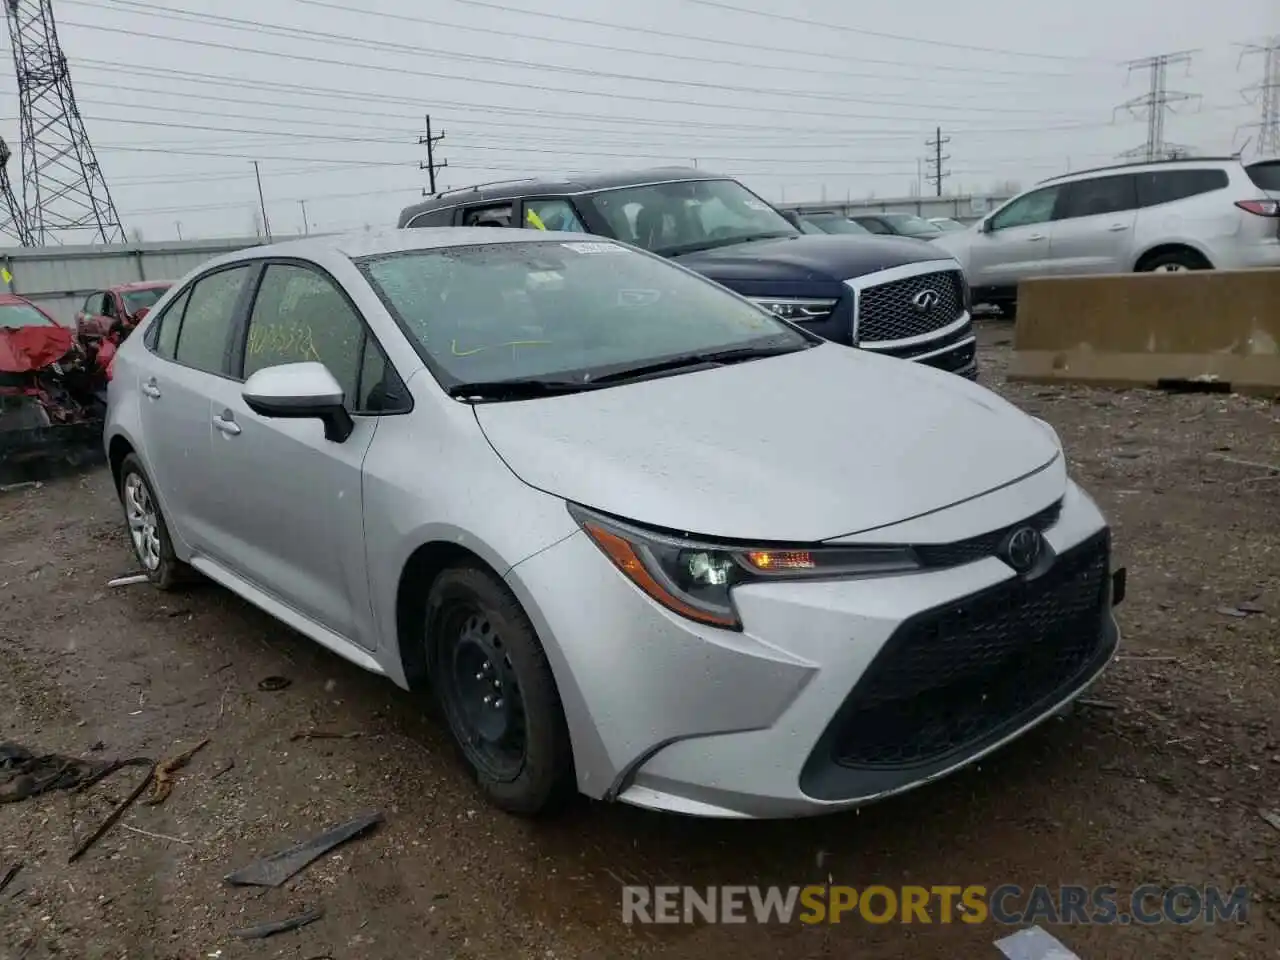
(898, 297)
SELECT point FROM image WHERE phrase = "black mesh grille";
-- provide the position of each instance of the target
(956, 677)
(886, 311)
(984, 545)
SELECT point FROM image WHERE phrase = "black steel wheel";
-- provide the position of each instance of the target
(495, 688)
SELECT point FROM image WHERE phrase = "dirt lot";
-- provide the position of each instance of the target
(1161, 782)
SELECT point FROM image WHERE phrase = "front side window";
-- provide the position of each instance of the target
(93, 305)
(552, 215)
(560, 310)
(675, 218)
(207, 320)
(1033, 208)
(135, 300)
(493, 216)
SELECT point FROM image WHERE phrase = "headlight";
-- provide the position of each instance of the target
(696, 578)
(797, 309)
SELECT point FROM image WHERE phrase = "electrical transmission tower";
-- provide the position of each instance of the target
(13, 222)
(935, 161)
(430, 164)
(64, 194)
(1155, 103)
(1267, 96)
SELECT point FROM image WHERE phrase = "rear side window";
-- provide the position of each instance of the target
(206, 324)
(492, 216)
(434, 218)
(1266, 175)
(1165, 186)
(166, 337)
(1097, 197)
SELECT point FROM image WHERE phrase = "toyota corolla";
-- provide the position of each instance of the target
(638, 537)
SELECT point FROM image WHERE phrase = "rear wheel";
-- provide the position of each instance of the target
(496, 690)
(148, 533)
(1174, 261)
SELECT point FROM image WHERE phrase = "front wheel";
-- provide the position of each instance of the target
(496, 690)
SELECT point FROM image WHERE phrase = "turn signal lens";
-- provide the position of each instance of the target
(780, 560)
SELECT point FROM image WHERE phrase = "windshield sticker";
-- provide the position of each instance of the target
(593, 247)
(756, 204)
(638, 298)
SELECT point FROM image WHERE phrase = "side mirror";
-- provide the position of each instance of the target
(986, 226)
(297, 391)
(792, 218)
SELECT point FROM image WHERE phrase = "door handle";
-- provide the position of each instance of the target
(151, 390)
(229, 427)
(1117, 227)
(1036, 236)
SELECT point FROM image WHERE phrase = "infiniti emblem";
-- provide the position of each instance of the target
(925, 300)
(1022, 549)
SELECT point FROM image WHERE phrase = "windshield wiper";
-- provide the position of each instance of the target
(723, 242)
(516, 389)
(708, 358)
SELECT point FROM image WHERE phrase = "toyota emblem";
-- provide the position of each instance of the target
(1023, 548)
(925, 300)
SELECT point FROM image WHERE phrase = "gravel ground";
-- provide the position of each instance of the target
(1161, 780)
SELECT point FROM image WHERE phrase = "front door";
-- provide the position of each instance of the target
(1017, 244)
(290, 511)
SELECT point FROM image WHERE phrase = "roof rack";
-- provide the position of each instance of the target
(477, 186)
(1142, 163)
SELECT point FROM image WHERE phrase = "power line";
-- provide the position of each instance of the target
(1266, 94)
(938, 174)
(431, 166)
(823, 25)
(1154, 104)
(347, 41)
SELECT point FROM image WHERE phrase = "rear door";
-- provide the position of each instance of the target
(1092, 230)
(188, 359)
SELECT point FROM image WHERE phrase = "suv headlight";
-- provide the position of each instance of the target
(796, 309)
(696, 578)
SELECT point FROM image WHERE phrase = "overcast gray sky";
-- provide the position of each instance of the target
(802, 100)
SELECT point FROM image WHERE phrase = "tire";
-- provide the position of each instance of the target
(152, 547)
(1174, 261)
(480, 644)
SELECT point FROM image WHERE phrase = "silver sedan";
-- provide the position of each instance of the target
(638, 538)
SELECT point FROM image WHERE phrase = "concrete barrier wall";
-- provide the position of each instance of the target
(1144, 329)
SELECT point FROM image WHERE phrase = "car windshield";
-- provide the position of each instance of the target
(910, 223)
(947, 225)
(675, 218)
(135, 300)
(839, 225)
(14, 315)
(561, 311)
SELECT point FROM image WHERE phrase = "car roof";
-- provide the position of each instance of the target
(372, 243)
(1141, 166)
(12, 299)
(569, 184)
(142, 285)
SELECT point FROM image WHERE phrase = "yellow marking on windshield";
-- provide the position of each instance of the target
(453, 346)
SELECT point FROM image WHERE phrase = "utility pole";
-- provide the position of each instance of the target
(262, 204)
(306, 227)
(430, 165)
(1158, 100)
(938, 174)
(1266, 94)
(178, 224)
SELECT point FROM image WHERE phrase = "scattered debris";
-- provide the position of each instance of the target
(229, 765)
(1233, 612)
(163, 785)
(1271, 816)
(274, 870)
(23, 485)
(271, 684)
(1270, 467)
(97, 746)
(157, 836)
(128, 581)
(1098, 704)
(1248, 606)
(7, 877)
(121, 807)
(325, 735)
(265, 930)
(24, 775)
(1034, 944)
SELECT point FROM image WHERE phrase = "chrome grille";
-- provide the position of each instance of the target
(886, 310)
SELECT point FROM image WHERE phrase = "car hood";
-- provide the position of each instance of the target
(806, 258)
(808, 446)
(24, 349)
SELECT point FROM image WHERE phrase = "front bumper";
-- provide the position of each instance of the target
(836, 693)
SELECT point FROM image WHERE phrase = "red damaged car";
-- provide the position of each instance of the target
(50, 389)
(108, 316)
